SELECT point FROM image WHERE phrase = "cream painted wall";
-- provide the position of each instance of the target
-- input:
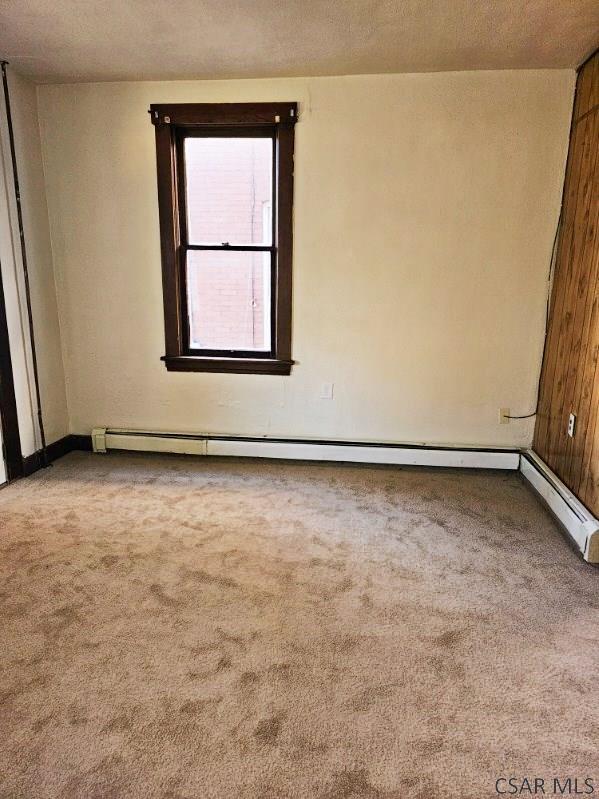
(425, 210)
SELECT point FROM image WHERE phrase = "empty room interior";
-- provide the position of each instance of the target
(299, 399)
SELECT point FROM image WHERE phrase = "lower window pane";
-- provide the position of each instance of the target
(228, 300)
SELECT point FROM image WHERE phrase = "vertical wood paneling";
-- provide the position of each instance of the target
(573, 337)
(586, 88)
(570, 373)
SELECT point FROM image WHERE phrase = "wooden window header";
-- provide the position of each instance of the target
(224, 114)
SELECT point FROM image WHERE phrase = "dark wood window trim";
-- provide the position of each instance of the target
(173, 122)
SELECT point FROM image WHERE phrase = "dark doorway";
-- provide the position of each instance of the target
(11, 439)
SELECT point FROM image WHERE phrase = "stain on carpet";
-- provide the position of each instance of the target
(267, 730)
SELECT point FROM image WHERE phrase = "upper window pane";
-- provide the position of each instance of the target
(229, 190)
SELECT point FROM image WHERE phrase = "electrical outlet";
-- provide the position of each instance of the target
(571, 424)
(326, 391)
(504, 416)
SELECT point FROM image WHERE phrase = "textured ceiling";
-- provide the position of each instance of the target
(86, 40)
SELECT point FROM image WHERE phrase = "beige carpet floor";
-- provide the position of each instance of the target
(209, 629)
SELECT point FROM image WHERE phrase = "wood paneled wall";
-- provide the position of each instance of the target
(570, 373)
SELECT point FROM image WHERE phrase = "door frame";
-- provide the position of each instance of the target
(9, 420)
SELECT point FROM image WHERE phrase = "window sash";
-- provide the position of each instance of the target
(185, 310)
(220, 131)
(225, 132)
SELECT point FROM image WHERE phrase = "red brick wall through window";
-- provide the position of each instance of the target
(229, 187)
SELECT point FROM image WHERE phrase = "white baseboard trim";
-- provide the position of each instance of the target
(363, 453)
(104, 439)
(579, 523)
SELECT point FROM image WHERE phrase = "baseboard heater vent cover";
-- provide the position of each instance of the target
(104, 439)
(578, 522)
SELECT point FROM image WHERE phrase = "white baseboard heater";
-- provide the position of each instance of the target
(580, 525)
(104, 439)
(578, 522)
